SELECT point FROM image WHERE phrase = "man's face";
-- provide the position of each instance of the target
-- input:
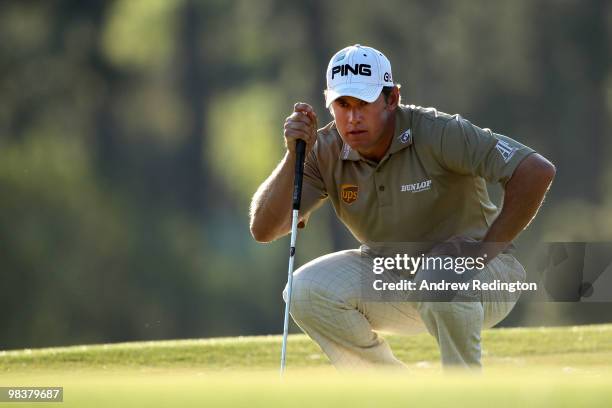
(365, 127)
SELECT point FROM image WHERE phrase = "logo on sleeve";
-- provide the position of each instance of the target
(348, 192)
(505, 150)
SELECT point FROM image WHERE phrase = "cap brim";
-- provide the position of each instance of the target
(365, 92)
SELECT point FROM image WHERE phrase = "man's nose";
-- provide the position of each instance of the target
(354, 115)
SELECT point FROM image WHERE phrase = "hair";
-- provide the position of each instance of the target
(386, 91)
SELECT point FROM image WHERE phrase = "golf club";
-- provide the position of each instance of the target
(300, 149)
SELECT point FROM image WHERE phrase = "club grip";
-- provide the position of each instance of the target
(300, 152)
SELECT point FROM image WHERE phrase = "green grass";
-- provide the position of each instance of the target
(569, 366)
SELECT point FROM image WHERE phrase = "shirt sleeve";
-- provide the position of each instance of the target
(469, 150)
(313, 188)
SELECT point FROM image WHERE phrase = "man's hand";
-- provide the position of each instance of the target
(272, 202)
(467, 247)
(301, 124)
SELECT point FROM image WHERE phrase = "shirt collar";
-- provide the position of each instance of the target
(349, 154)
(402, 136)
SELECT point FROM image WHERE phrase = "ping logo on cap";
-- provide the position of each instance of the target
(358, 69)
(348, 192)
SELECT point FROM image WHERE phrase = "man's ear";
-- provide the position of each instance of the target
(394, 98)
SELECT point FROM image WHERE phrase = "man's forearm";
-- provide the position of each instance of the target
(272, 202)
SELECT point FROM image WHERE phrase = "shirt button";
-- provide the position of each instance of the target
(381, 188)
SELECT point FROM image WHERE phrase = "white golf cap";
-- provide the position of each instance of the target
(357, 71)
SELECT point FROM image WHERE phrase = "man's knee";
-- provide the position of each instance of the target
(305, 293)
(318, 293)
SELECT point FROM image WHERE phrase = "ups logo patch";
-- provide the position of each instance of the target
(348, 192)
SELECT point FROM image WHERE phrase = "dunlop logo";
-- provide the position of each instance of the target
(349, 193)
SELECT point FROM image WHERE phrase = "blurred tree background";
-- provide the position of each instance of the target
(134, 132)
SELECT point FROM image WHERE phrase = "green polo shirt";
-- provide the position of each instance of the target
(429, 186)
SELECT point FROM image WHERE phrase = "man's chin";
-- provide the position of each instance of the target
(362, 150)
(359, 145)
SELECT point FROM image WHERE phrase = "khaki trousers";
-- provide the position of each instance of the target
(329, 306)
